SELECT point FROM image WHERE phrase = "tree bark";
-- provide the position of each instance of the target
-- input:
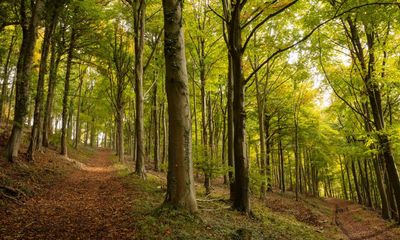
(66, 93)
(241, 200)
(180, 182)
(139, 27)
(78, 114)
(230, 130)
(4, 86)
(156, 130)
(281, 159)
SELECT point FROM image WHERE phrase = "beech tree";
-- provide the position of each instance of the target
(180, 182)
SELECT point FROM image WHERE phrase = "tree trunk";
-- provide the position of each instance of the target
(165, 135)
(211, 147)
(241, 200)
(260, 111)
(24, 69)
(4, 87)
(36, 136)
(224, 137)
(54, 63)
(204, 137)
(66, 93)
(343, 181)
(353, 169)
(93, 135)
(231, 155)
(282, 160)
(156, 129)
(180, 182)
(349, 180)
(120, 134)
(139, 27)
(10, 98)
(375, 99)
(381, 188)
(78, 115)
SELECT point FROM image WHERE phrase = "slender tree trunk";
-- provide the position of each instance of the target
(231, 154)
(120, 133)
(156, 130)
(165, 135)
(348, 178)
(267, 119)
(211, 147)
(4, 86)
(70, 119)
(180, 182)
(93, 135)
(10, 98)
(196, 142)
(353, 169)
(296, 154)
(204, 137)
(343, 181)
(24, 69)
(226, 180)
(260, 111)
(139, 27)
(66, 93)
(78, 115)
(282, 160)
(54, 63)
(381, 188)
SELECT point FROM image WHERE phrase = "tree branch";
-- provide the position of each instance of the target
(313, 30)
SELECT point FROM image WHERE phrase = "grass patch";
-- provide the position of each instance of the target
(214, 220)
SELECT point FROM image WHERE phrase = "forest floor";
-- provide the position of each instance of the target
(95, 197)
(358, 223)
(91, 203)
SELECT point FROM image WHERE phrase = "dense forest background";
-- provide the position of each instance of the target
(266, 96)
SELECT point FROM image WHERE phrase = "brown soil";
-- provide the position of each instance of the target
(362, 224)
(91, 203)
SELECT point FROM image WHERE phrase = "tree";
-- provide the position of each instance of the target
(29, 25)
(52, 10)
(139, 28)
(6, 75)
(180, 182)
(121, 63)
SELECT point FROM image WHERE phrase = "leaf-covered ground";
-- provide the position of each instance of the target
(91, 203)
(99, 198)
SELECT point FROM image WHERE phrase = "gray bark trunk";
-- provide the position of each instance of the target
(180, 182)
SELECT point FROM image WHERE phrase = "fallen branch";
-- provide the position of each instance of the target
(15, 191)
(11, 198)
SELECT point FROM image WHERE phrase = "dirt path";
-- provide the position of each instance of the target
(90, 204)
(358, 223)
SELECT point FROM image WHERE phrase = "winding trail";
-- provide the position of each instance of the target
(358, 223)
(91, 203)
